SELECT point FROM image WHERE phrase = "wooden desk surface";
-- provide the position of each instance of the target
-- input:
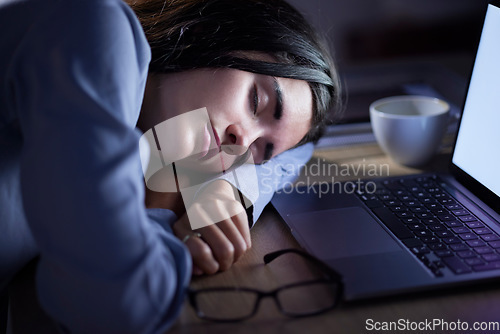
(471, 304)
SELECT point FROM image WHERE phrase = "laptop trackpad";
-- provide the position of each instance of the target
(338, 233)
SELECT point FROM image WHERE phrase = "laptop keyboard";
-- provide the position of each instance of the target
(433, 225)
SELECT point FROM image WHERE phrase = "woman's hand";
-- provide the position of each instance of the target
(223, 243)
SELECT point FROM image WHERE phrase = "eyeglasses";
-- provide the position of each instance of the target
(302, 299)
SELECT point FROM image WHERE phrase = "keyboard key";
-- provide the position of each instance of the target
(469, 218)
(430, 240)
(404, 214)
(430, 221)
(460, 230)
(474, 261)
(418, 209)
(444, 234)
(482, 230)
(487, 266)
(401, 192)
(417, 227)
(475, 224)
(476, 243)
(456, 265)
(447, 201)
(454, 206)
(461, 212)
(483, 250)
(441, 211)
(490, 237)
(420, 250)
(395, 225)
(410, 220)
(467, 236)
(437, 247)
(386, 197)
(398, 208)
(437, 228)
(494, 244)
(452, 240)
(459, 247)
(393, 203)
(382, 192)
(434, 206)
(444, 253)
(421, 195)
(427, 200)
(445, 218)
(454, 223)
(425, 215)
(491, 257)
(466, 254)
(422, 233)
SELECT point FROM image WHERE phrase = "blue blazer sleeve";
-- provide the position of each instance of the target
(258, 183)
(106, 266)
(278, 173)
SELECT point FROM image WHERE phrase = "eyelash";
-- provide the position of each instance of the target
(255, 100)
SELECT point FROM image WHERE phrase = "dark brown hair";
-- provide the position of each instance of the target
(190, 34)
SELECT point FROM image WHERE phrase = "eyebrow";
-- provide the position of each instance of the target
(278, 111)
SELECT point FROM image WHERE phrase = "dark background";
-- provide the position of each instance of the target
(374, 42)
(362, 31)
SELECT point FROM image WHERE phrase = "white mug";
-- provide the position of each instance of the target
(409, 128)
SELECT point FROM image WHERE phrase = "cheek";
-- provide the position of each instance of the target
(292, 134)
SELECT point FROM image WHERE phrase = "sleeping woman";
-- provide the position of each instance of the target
(217, 91)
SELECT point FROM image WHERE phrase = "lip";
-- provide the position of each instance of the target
(217, 139)
(207, 140)
(208, 152)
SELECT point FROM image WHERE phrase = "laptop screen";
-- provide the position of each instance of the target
(477, 149)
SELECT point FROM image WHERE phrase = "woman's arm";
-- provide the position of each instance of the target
(224, 241)
(105, 265)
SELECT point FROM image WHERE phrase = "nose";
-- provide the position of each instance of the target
(239, 139)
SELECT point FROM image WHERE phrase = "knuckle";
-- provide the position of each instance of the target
(200, 251)
(205, 251)
(227, 252)
(211, 268)
(225, 257)
(239, 249)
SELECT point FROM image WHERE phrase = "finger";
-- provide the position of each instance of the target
(231, 231)
(222, 248)
(201, 254)
(241, 222)
(203, 258)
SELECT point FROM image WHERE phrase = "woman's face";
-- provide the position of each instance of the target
(246, 111)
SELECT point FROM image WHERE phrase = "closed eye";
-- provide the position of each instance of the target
(255, 100)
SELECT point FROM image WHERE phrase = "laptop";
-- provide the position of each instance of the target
(397, 235)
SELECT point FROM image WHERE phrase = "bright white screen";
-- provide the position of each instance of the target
(477, 151)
